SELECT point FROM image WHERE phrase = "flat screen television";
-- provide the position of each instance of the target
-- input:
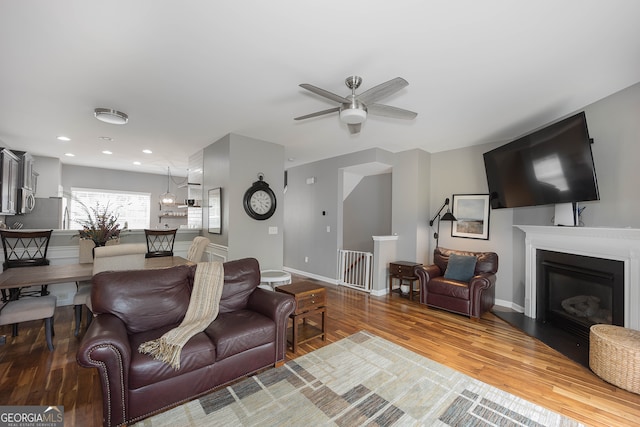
(553, 165)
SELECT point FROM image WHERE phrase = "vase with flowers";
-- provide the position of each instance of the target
(100, 224)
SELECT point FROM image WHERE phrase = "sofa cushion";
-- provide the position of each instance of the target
(460, 267)
(198, 352)
(144, 300)
(238, 331)
(449, 288)
(241, 278)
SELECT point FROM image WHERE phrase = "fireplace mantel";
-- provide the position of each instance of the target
(622, 244)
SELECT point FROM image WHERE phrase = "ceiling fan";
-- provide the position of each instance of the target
(354, 108)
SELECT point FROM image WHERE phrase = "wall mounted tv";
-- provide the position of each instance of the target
(553, 165)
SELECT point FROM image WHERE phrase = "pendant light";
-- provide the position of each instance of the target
(168, 198)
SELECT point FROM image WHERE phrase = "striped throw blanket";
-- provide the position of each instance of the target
(203, 309)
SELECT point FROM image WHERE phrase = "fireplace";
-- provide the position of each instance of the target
(576, 291)
(617, 244)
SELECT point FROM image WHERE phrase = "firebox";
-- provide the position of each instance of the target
(576, 291)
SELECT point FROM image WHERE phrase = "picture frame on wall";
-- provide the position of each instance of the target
(472, 216)
(215, 210)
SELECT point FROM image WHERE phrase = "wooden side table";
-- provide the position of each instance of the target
(310, 300)
(403, 271)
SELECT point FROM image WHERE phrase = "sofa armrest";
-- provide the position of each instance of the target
(424, 274)
(482, 290)
(482, 281)
(277, 306)
(105, 346)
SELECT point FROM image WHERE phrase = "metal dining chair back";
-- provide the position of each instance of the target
(25, 249)
(160, 242)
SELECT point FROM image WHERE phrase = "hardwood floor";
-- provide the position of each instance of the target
(489, 350)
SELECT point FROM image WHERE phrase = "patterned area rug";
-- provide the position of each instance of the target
(360, 380)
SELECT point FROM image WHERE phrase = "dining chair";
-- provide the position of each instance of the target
(160, 242)
(25, 249)
(27, 309)
(129, 256)
(196, 250)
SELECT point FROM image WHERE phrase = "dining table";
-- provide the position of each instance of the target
(63, 273)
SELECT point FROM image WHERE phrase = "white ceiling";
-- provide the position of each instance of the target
(189, 72)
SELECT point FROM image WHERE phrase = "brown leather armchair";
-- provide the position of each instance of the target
(472, 298)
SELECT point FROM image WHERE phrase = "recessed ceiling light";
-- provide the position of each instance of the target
(64, 138)
(111, 116)
(137, 163)
(147, 151)
(69, 154)
(105, 138)
(107, 152)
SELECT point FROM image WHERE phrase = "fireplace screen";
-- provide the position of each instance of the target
(579, 291)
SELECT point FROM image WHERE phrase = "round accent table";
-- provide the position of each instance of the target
(270, 279)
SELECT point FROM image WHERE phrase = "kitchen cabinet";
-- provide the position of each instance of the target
(9, 185)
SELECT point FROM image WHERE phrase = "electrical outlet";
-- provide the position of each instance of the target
(273, 230)
(328, 229)
(306, 259)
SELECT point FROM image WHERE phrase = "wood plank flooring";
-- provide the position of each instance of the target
(489, 350)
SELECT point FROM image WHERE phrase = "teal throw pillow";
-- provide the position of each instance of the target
(460, 267)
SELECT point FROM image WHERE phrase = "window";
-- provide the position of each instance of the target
(133, 209)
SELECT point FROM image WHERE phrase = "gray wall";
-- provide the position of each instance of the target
(308, 232)
(367, 212)
(306, 235)
(411, 204)
(233, 163)
(216, 173)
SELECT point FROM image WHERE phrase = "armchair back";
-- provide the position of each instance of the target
(487, 262)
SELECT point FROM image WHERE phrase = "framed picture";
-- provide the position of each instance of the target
(215, 211)
(472, 216)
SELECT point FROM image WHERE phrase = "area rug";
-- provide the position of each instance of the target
(359, 380)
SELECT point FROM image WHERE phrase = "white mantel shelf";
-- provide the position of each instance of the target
(621, 244)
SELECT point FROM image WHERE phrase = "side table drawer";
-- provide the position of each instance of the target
(310, 301)
(399, 270)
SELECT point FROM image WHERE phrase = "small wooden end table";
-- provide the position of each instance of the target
(310, 300)
(403, 271)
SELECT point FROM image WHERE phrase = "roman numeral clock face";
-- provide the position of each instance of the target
(260, 200)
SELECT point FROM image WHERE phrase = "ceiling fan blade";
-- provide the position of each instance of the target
(354, 128)
(389, 111)
(319, 113)
(382, 90)
(325, 93)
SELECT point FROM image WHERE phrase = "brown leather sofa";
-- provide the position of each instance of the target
(471, 298)
(136, 306)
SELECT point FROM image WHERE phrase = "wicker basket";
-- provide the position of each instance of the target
(614, 355)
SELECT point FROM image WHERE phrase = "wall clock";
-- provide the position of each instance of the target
(260, 200)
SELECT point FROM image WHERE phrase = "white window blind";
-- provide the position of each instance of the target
(132, 208)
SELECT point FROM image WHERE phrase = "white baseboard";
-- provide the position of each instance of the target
(311, 275)
(509, 304)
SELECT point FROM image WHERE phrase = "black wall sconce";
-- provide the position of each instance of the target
(448, 216)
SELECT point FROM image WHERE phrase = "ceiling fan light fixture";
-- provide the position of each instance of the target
(353, 116)
(111, 116)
